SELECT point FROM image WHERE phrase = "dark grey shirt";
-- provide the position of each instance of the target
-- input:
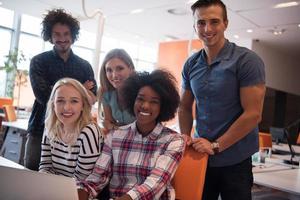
(47, 68)
(216, 89)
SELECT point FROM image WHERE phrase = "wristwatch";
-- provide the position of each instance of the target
(215, 147)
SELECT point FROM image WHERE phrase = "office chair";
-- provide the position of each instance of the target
(265, 140)
(10, 113)
(4, 101)
(189, 177)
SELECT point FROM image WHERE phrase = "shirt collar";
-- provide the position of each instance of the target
(224, 54)
(56, 54)
(155, 132)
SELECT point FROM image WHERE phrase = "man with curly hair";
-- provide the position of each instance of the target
(61, 30)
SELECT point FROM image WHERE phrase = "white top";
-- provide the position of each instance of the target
(75, 161)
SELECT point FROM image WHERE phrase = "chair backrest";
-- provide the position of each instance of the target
(189, 178)
(10, 113)
(298, 140)
(265, 140)
(5, 101)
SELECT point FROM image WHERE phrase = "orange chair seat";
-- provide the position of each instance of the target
(189, 177)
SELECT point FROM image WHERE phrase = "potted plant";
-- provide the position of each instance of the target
(15, 77)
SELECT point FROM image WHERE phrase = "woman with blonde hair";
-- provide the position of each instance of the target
(72, 141)
(115, 69)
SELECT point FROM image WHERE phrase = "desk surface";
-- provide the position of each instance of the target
(285, 147)
(274, 174)
(284, 180)
(8, 163)
(20, 124)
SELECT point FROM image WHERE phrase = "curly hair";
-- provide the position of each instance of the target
(59, 16)
(162, 82)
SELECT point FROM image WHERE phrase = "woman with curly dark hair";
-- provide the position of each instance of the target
(139, 160)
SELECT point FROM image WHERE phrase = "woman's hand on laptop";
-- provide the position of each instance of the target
(82, 194)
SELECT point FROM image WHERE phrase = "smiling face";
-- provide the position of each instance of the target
(117, 72)
(210, 25)
(146, 109)
(61, 37)
(68, 105)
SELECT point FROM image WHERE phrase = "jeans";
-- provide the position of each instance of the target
(231, 182)
(33, 152)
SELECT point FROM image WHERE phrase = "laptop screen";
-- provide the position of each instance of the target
(31, 185)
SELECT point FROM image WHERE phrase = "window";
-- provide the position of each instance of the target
(84, 53)
(5, 37)
(31, 25)
(6, 17)
(86, 39)
(30, 46)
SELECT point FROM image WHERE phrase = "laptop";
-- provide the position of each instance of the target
(31, 185)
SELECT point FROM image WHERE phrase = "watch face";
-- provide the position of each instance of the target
(215, 147)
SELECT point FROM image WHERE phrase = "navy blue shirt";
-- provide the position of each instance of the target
(216, 89)
(45, 70)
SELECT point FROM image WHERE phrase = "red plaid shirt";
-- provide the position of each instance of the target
(140, 166)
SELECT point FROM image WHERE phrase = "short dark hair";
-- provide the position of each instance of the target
(114, 53)
(59, 16)
(162, 82)
(207, 3)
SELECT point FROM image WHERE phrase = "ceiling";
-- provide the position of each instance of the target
(155, 24)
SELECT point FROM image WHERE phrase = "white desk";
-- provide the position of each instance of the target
(276, 175)
(283, 180)
(285, 147)
(20, 124)
(8, 163)
(14, 144)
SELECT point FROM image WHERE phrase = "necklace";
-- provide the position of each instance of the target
(67, 137)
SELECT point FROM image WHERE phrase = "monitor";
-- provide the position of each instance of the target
(293, 132)
(277, 135)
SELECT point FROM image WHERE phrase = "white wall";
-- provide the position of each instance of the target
(282, 70)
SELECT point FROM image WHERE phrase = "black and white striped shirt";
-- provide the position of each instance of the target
(77, 160)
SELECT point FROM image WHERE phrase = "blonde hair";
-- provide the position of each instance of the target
(53, 126)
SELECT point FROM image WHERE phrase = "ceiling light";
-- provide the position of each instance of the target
(169, 38)
(299, 25)
(191, 1)
(1, 3)
(236, 36)
(136, 11)
(249, 30)
(277, 31)
(287, 4)
(177, 11)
